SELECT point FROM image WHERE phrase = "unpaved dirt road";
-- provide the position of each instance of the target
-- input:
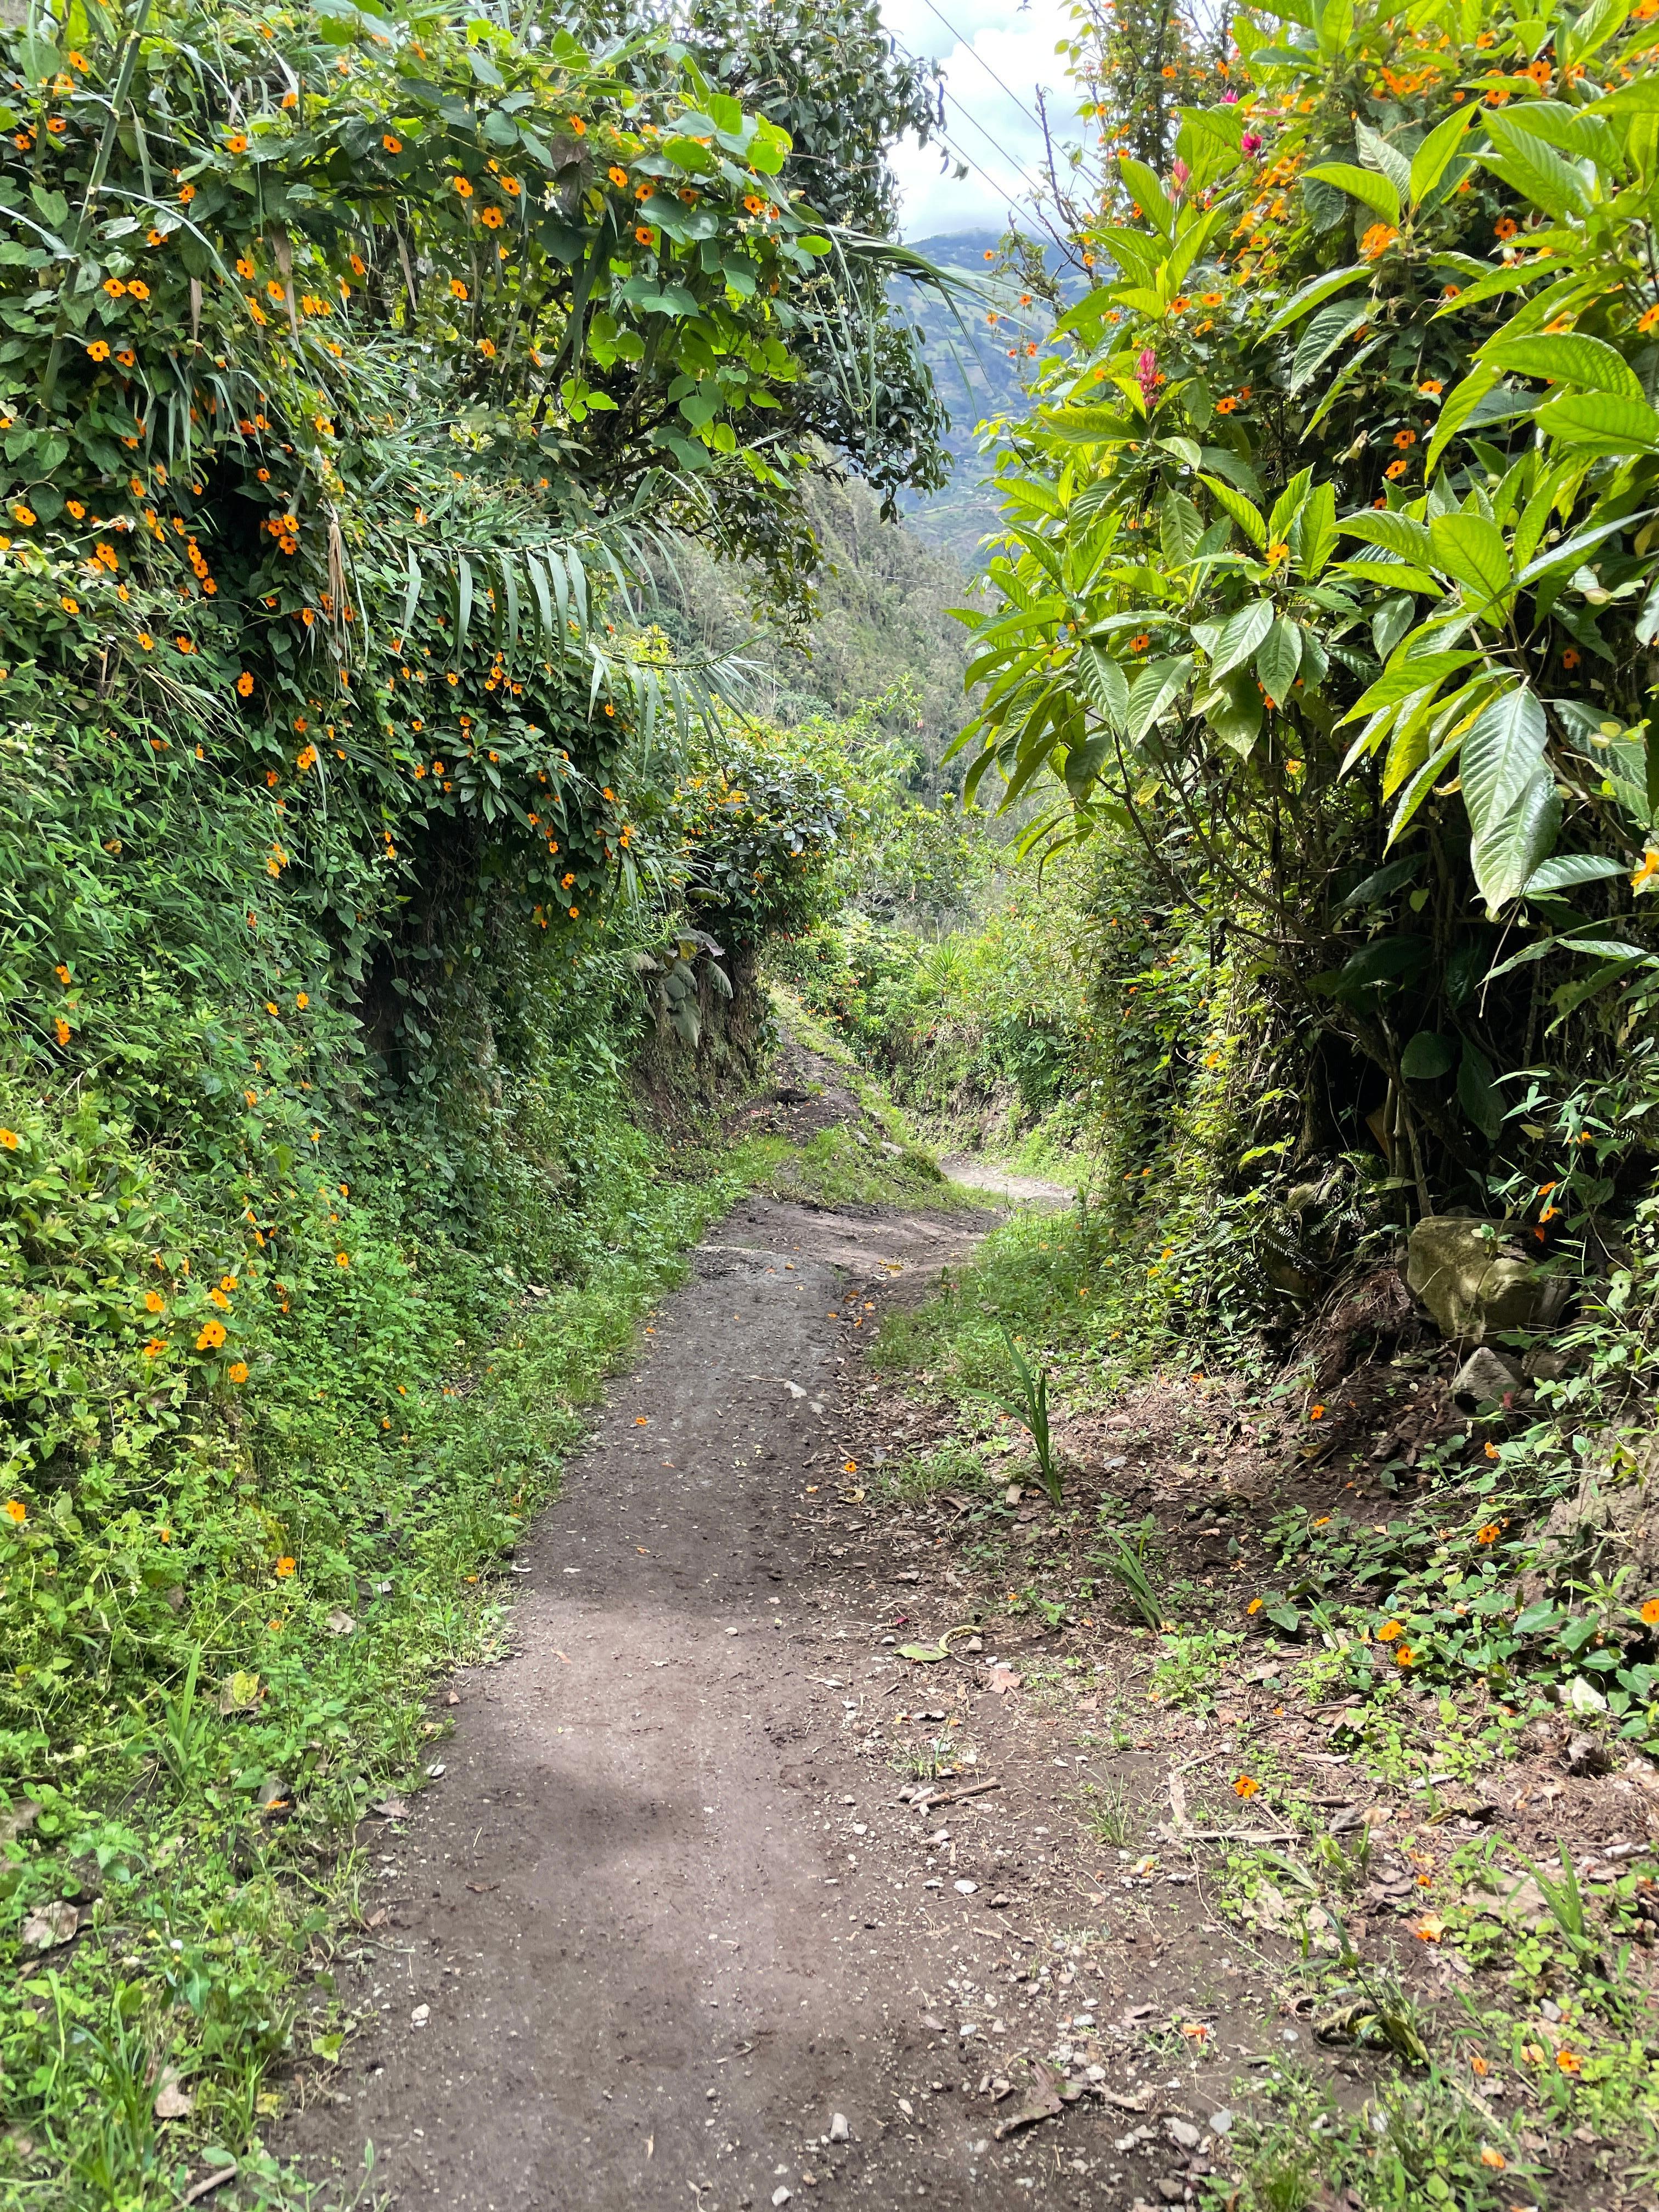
(633, 1958)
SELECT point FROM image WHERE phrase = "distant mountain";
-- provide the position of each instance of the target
(980, 370)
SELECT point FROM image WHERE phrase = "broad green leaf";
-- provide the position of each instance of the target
(1471, 550)
(1376, 153)
(1476, 1094)
(1405, 673)
(1286, 506)
(1236, 714)
(1104, 684)
(1367, 186)
(1153, 200)
(1243, 512)
(1400, 533)
(1153, 690)
(1237, 638)
(1533, 167)
(1430, 161)
(1598, 422)
(1313, 531)
(1311, 294)
(1419, 789)
(1323, 336)
(1569, 868)
(1459, 404)
(1426, 1057)
(1565, 357)
(1278, 657)
(463, 600)
(1180, 528)
(1509, 793)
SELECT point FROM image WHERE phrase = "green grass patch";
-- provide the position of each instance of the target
(845, 1165)
(220, 1654)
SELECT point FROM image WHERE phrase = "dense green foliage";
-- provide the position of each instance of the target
(1327, 562)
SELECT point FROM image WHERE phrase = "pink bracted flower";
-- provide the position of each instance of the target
(1250, 142)
(1147, 374)
(1178, 177)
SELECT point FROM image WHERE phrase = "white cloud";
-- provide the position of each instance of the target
(995, 58)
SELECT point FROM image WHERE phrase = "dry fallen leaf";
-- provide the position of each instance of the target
(52, 1924)
(173, 2103)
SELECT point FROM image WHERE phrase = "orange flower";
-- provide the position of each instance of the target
(1650, 1610)
(98, 350)
(1245, 1786)
(1378, 241)
(155, 1347)
(1317, 1413)
(618, 177)
(343, 1259)
(283, 1568)
(487, 348)
(1489, 1534)
(1226, 406)
(1405, 439)
(1395, 471)
(155, 1303)
(1494, 2159)
(1569, 2061)
(9, 1141)
(237, 1370)
(1431, 388)
(457, 290)
(245, 684)
(645, 234)
(1405, 1656)
(211, 1336)
(1139, 644)
(1506, 227)
(1430, 1928)
(1571, 656)
(392, 145)
(492, 218)
(237, 143)
(1390, 1630)
(62, 1028)
(16, 1511)
(463, 187)
(1649, 321)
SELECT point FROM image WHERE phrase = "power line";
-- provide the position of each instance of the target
(980, 59)
(996, 145)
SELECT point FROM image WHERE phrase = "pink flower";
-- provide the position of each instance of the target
(1147, 374)
(1229, 100)
(1178, 177)
(1250, 142)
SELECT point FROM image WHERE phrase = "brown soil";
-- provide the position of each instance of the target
(679, 1898)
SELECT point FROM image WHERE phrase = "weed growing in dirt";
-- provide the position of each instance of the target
(1419, 2144)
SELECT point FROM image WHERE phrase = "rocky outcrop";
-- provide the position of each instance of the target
(1475, 1281)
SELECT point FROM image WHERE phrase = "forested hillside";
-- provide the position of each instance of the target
(517, 591)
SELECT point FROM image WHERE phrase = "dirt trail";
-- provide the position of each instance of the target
(632, 1957)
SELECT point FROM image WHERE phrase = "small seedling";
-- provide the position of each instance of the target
(1031, 1410)
(1129, 1569)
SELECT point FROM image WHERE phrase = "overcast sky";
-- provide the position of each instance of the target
(991, 124)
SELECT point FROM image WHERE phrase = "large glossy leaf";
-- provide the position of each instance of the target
(1277, 659)
(1313, 531)
(1470, 549)
(1369, 186)
(1428, 1055)
(1535, 169)
(1430, 161)
(1236, 713)
(1235, 640)
(1566, 357)
(1600, 423)
(1153, 690)
(1513, 807)
(1244, 512)
(1319, 290)
(1324, 332)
